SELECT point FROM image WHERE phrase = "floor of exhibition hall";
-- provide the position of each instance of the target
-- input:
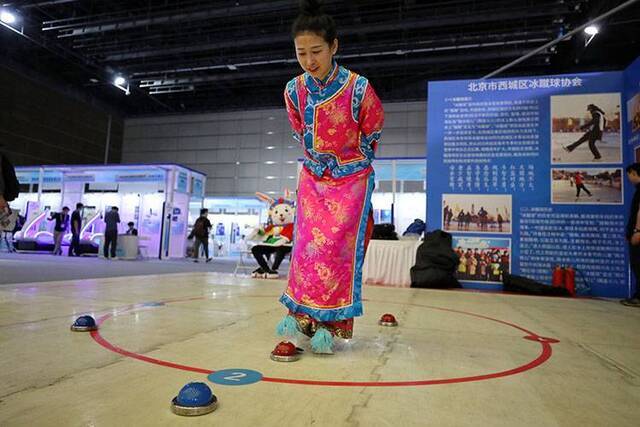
(456, 357)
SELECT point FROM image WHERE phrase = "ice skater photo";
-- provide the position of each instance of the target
(587, 186)
(586, 128)
(633, 113)
(480, 213)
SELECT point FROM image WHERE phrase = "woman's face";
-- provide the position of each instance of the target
(314, 54)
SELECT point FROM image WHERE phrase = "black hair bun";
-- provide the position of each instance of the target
(311, 7)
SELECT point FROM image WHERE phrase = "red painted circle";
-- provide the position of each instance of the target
(544, 355)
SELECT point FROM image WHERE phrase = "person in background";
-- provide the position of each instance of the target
(60, 228)
(131, 231)
(111, 220)
(8, 219)
(633, 234)
(3, 203)
(201, 230)
(580, 185)
(76, 227)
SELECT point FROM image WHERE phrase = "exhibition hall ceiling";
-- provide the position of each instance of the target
(195, 56)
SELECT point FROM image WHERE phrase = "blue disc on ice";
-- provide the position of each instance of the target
(194, 394)
(85, 321)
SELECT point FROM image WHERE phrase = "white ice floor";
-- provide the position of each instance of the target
(564, 192)
(609, 147)
(457, 359)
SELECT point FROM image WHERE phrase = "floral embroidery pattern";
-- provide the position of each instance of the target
(334, 192)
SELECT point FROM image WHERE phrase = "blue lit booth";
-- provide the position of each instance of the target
(156, 198)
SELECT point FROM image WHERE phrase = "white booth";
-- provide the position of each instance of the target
(156, 198)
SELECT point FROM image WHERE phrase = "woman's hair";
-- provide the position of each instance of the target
(313, 19)
(633, 167)
(593, 107)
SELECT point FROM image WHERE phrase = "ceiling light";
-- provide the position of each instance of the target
(270, 132)
(269, 162)
(270, 147)
(122, 84)
(232, 67)
(591, 30)
(7, 17)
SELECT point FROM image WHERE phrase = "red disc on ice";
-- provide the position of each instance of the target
(388, 319)
(285, 352)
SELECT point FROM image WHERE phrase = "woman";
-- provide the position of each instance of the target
(593, 130)
(337, 117)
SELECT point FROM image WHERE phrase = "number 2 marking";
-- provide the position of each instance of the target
(236, 376)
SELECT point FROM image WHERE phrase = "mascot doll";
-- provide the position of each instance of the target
(276, 237)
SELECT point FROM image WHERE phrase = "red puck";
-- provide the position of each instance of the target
(388, 319)
(285, 352)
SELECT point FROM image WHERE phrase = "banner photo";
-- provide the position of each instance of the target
(182, 181)
(632, 95)
(528, 173)
(197, 187)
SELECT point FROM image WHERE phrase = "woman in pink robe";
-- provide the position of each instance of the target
(337, 118)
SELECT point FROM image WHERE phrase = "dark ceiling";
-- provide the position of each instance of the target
(192, 56)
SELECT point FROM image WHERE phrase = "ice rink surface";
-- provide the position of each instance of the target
(458, 358)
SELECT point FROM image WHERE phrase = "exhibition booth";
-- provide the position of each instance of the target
(156, 198)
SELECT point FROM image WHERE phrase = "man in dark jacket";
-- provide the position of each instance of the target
(111, 221)
(633, 234)
(59, 229)
(201, 229)
(76, 227)
(132, 230)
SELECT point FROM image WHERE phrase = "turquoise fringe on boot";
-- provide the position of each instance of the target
(322, 342)
(288, 327)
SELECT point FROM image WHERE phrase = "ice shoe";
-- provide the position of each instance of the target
(257, 273)
(322, 342)
(271, 274)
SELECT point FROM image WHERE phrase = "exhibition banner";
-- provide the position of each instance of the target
(528, 173)
(632, 96)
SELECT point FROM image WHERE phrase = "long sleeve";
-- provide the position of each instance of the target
(371, 117)
(293, 112)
